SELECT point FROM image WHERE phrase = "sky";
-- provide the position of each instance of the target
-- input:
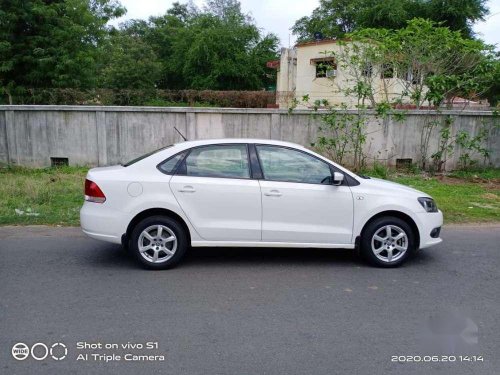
(278, 16)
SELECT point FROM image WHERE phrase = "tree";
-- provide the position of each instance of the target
(335, 18)
(217, 48)
(51, 43)
(419, 66)
(130, 63)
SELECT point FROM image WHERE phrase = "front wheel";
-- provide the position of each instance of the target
(158, 242)
(387, 242)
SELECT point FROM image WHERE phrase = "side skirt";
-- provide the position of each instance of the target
(269, 244)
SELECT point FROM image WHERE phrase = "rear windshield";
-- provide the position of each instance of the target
(133, 161)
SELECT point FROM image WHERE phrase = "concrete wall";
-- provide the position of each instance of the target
(91, 135)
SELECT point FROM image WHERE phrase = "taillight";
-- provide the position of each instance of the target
(93, 193)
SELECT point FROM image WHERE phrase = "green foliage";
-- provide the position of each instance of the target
(66, 44)
(51, 43)
(342, 134)
(470, 146)
(336, 18)
(432, 63)
(217, 48)
(380, 170)
(129, 64)
(148, 96)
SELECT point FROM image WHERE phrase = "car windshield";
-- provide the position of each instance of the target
(133, 161)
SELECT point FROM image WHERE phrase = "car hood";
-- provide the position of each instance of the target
(387, 186)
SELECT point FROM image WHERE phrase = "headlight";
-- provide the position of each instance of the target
(428, 204)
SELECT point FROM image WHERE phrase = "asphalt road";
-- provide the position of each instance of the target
(249, 311)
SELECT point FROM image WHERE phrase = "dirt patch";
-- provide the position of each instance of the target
(490, 196)
(492, 184)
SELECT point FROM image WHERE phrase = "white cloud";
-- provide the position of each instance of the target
(489, 30)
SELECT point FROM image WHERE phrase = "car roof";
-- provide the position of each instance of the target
(203, 142)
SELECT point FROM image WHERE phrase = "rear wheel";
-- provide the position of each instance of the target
(387, 242)
(159, 242)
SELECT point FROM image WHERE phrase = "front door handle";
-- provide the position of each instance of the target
(187, 189)
(273, 193)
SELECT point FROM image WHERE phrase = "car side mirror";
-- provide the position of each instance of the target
(337, 179)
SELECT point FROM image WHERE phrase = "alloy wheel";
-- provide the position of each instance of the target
(157, 243)
(389, 243)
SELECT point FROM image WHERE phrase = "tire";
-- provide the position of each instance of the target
(169, 247)
(382, 250)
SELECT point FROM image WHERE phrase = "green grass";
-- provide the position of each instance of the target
(461, 201)
(41, 196)
(56, 194)
(474, 175)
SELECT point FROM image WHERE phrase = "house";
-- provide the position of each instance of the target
(311, 68)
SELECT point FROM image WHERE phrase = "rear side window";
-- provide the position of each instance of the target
(226, 161)
(170, 165)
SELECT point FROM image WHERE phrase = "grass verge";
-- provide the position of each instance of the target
(54, 196)
(41, 196)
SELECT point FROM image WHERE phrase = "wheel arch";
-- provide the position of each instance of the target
(400, 215)
(154, 212)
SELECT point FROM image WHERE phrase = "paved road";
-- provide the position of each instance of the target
(246, 311)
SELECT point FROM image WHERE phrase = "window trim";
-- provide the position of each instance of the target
(144, 156)
(330, 167)
(255, 164)
(182, 163)
(349, 180)
(257, 173)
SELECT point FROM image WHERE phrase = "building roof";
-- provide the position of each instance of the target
(318, 42)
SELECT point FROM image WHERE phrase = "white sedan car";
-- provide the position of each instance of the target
(252, 193)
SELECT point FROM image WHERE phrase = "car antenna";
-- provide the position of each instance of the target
(182, 135)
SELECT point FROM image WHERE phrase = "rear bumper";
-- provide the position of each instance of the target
(427, 222)
(100, 222)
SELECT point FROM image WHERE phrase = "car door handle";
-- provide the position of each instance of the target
(187, 189)
(273, 193)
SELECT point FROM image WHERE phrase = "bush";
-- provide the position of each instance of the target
(138, 97)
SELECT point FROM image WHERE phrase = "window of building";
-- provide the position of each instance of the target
(367, 70)
(410, 75)
(325, 68)
(387, 71)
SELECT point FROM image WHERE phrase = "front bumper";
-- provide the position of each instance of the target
(427, 223)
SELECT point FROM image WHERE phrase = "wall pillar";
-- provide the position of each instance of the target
(102, 150)
(10, 134)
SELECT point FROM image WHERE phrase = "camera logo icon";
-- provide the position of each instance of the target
(20, 351)
(39, 351)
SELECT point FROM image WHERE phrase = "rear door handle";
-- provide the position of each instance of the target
(187, 189)
(273, 193)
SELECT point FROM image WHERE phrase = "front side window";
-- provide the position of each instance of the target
(284, 164)
(228, 161)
